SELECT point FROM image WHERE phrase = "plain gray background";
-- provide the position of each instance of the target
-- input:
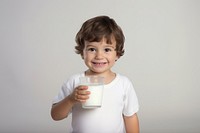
(162, 59)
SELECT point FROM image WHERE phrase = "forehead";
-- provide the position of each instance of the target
(103, 42)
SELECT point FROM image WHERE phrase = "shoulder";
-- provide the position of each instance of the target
(124, 79)
(125, 83)
(75, 76)
(73, 80)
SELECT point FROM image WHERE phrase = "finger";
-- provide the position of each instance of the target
(81, 98)
(83, 92)
(82, 87)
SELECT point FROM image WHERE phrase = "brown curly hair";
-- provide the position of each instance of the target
(97, 28)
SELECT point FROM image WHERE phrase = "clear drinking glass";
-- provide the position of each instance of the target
(95, 86)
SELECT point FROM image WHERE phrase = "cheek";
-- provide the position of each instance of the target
(113, 59)
(86, 57)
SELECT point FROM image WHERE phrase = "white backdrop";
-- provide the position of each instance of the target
(161, 58)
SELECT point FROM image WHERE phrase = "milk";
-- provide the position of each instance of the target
(95, 97)
(95, 86)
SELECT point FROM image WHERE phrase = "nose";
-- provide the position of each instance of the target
(99, 54)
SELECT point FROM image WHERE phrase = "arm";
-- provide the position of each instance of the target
(132, 124)
(61, 109)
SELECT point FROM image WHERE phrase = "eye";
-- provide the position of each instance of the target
(91, 49)
(107, 49)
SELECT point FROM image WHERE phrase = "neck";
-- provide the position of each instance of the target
(108, 76)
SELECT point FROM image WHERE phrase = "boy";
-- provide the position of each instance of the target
(100, 42)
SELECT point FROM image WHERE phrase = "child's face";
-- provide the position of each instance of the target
(100, 56)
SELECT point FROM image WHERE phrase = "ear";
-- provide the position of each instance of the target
(82, 57)
(116, 58)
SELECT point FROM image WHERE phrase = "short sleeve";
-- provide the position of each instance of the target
(131, 105)
(67, 88)
(64, 92)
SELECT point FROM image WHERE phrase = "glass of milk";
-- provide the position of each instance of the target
(95, 86)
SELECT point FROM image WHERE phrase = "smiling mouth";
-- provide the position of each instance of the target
(99, 63)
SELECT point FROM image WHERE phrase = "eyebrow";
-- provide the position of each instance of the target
(107, 45)
(110, 46)
(89, 45)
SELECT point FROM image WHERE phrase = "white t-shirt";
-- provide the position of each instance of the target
(119, 99)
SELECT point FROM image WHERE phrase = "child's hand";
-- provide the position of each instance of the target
(80, 94)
